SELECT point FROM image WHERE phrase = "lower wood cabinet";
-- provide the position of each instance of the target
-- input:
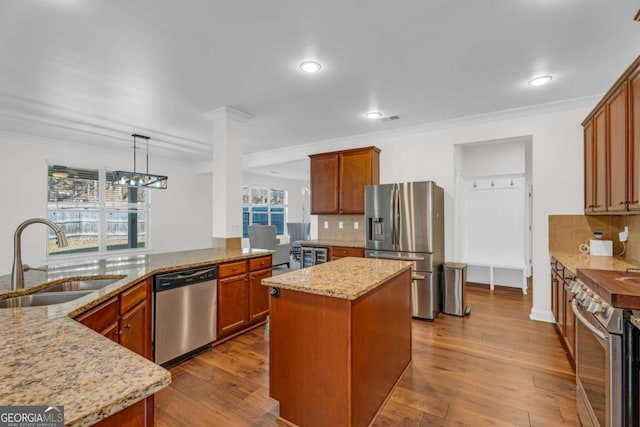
(337, 252)
(126, 319)
(242, 300)
(561, 298)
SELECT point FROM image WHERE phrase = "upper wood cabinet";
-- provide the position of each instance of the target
(633, 88)
(612, 148)
(338, 180)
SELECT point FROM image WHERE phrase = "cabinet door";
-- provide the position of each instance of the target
(258, 294)
(600, 162)
(633, 88)
(569, 324)
(589, 183)
(102, 319)
(555, 285)
(324, 184)
(233, 303)
(135, 330)
(356, 171)
(337, 252)
(617, 149)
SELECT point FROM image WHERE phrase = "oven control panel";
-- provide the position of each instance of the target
(591, 302)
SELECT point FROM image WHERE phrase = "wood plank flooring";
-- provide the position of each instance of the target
(493, 368)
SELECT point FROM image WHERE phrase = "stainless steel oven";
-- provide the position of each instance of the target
(599, 359)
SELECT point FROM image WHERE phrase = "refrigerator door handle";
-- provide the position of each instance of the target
(396, 217)
(393, 216)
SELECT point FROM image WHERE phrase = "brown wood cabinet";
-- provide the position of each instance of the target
(338, 180)
(126, 319)
(242, 300)
(612, 148)
(337, 252)
(561, 298)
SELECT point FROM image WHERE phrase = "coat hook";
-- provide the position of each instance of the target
(475, 185)
(492, 184)
(512, 183)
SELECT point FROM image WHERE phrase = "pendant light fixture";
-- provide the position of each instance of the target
(139, 179)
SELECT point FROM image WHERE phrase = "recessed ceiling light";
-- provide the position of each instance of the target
(374, 115)
(310, 66)
(539, 81)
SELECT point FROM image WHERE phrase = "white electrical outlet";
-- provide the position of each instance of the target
(624, 235)
(340, 224)
(356, 225)
(326, 225)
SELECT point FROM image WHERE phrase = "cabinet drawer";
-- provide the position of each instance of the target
(101, 317)
(341, 252)
(259, 263)
(232, 269)
(133, 296)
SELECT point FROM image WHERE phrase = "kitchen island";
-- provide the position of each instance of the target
(47, 358)
(340, 339)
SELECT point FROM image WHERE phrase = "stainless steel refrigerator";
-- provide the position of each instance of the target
(405, 221)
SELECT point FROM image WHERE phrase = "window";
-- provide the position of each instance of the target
(263, 206)
(95, 216)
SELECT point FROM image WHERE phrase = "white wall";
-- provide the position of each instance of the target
(557, 174)
(492, 158)
(427, 153)
(179, 219)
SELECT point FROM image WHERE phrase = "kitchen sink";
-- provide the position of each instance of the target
(80, 285)
(39, 299)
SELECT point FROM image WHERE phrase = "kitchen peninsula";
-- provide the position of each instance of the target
(48, 358)
(340, 339)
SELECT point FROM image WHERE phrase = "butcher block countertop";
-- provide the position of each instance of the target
(347, 278)
(620, 289)
(47, 358)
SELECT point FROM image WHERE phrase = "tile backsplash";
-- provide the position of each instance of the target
(347, 232)
(567, 232)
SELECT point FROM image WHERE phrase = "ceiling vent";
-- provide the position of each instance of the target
(387, 119)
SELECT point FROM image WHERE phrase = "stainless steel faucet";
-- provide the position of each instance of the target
(17, 274)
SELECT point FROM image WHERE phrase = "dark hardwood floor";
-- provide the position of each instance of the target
(493, 368)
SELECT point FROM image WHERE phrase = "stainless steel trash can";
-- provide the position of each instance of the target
(454, 298)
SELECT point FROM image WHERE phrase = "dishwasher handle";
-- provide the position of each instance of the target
(164, 282)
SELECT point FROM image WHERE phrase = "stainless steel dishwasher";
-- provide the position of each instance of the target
(185, 312)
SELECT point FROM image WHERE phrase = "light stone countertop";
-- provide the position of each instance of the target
(327, 242)
(574, 261)
(49, 359)
(346, 278)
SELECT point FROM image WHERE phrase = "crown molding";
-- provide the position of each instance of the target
(299, 152)
(39, 120)
(227, 112)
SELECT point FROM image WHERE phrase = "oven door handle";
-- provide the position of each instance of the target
(586, 323)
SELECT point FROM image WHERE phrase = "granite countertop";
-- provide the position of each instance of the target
(573, 261)
(347, 278)
(50, 359)
(326, 242)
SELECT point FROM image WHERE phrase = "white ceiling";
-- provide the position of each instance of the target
(111, 68)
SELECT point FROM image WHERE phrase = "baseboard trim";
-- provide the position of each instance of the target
(542, 316)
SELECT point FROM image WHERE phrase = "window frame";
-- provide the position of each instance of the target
(268, 206)
(103, 207)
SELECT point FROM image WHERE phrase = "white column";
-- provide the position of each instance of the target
(227, 176)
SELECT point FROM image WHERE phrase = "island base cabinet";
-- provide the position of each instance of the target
(334, 361)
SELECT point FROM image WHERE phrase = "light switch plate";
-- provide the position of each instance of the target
(356, 225)
(340, 224)
(326, 225)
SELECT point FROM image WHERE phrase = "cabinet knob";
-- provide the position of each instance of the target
(127, 326)
(623, 203)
